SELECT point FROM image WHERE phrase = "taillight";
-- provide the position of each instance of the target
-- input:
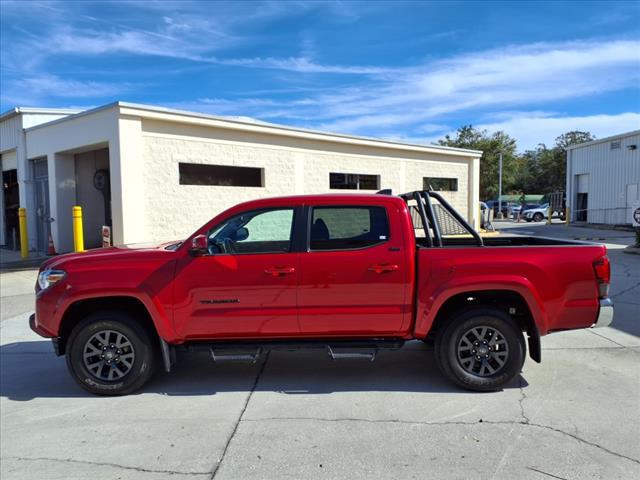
(602, 269)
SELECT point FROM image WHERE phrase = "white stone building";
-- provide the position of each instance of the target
(603, 179)
(157, 174)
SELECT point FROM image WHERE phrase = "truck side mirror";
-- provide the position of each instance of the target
(199, 245)
(241, 234)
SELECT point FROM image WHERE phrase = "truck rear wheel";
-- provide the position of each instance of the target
(110, 353)
(481, 349)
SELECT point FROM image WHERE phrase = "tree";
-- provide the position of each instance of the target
(552, 163)
(573, 138)
(540, 171)
(491, 146)
(529, 174)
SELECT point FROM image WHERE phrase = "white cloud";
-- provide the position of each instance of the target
(416, 98)
(299, 64)
(533, 128)
(371, 100)
(173, 40)
(31, 91)
(513, 76)
(182, 41)
(530, 130)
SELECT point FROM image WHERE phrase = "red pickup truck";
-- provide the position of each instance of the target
(351, 274)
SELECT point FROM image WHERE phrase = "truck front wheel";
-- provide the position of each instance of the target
(110, 353)
(481, 349)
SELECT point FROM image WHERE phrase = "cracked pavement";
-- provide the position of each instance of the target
(302, 415)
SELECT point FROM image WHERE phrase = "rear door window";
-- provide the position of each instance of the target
(347, 228)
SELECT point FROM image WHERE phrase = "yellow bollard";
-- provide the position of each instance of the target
(78, 235)
(24, 238)
(549, 216)
(566, 216)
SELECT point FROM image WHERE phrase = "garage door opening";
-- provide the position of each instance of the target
(582, 197)
(93, 193)
(11, 197)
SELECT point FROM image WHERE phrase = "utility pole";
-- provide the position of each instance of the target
(500, 186)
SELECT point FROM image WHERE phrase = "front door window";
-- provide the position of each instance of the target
(258, 231)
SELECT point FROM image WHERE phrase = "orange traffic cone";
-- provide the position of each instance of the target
(51, 249)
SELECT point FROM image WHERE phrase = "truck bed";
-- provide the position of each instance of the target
(501, 241)
(554, 277)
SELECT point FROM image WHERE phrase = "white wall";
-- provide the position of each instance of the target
(128, 183)
(71, 134)
(10, 132)
(12, 137)
(291, 166)
(59, 142)
(62, 198)
(149, 204)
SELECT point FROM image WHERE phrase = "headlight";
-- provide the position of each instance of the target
(47, 278)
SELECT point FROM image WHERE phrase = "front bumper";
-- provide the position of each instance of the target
(36, 328)
(605, 314)
(43, 333)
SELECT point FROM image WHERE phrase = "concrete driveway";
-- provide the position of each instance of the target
(301, 415)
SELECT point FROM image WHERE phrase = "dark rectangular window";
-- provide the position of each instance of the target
(440, 184)
(344, 228)
(354, 181)
(222, 175)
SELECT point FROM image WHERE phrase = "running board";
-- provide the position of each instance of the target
(227, 355)
(337, 354)
(337, 348)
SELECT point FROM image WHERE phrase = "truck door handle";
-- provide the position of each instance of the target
(383, 267)
(279, 271)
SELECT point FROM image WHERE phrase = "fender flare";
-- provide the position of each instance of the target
(159, 318)
(428, 308)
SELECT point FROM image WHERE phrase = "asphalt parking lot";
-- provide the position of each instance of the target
(301, 415)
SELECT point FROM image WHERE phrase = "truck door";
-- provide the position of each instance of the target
(354, 274)
(246, 286)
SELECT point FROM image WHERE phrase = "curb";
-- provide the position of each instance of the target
(601, 226)
(631, 250)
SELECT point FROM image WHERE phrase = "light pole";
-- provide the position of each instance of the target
(500, 185)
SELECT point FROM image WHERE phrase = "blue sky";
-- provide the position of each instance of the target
(411, 71)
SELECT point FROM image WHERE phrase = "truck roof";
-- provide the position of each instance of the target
(348, 198)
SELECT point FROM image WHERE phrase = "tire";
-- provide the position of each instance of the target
(538, 217)
(127, 370)
(529, 220)
(456, 361)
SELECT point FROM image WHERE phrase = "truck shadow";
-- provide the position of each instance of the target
(29, 370)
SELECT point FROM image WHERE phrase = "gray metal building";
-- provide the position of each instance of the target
(603, 179)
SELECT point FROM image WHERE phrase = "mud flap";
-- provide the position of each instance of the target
(168, 355)
(535, 349)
